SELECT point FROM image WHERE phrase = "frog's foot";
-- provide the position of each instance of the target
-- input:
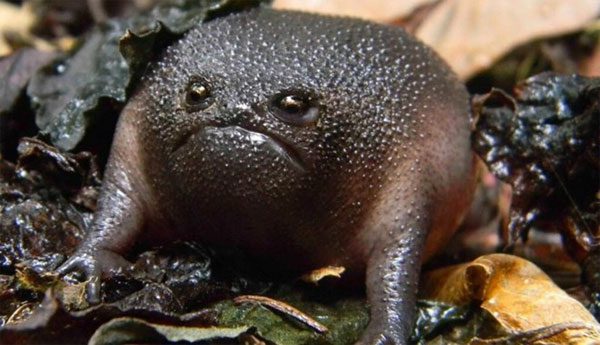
(94, 265)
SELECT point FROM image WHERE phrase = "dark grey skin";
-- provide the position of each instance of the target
(303, 140)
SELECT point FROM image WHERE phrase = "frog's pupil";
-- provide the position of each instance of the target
(198, 93)
(293, 104)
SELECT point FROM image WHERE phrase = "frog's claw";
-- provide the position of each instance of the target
(94, 265)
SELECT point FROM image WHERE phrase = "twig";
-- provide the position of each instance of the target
(283, 308)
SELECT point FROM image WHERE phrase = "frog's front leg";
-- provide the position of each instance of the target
(119, 217)
(392, 279)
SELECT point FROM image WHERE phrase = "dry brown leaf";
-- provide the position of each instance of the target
(519, 296)
(12, 18)
(590, 66)
(378, 10)
(316, 275)
(472, 34)
(469, 34)
(17, 21)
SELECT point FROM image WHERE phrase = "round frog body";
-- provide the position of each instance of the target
(302, 139)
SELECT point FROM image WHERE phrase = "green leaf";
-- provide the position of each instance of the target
(346, 319)
(127, 330)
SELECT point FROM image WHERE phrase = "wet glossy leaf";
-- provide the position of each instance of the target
(15, 72)
(67, 94)
(75, 174)
(433, 316)
(148, 35)
(16, 119)
(57, 18)
(544, 141)
(39, 224)
(180, 15)
(50, 320)
(93, 83)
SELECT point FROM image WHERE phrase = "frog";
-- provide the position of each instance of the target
(302, 140)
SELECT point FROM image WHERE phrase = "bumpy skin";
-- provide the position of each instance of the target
(376, 183)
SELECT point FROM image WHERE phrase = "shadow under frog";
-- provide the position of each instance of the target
(303, 139)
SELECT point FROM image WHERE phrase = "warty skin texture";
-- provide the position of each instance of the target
(376, 181)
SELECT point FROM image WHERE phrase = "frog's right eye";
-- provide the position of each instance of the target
(295, 108)
(197, 95)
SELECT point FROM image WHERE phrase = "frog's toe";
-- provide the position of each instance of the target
(92, 267)
(85, 267)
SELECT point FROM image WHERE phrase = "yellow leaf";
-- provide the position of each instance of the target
(519, 296)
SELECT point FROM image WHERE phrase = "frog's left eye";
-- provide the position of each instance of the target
(295, 107)
(197, 95)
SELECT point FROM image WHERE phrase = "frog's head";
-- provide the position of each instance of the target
(271, 105)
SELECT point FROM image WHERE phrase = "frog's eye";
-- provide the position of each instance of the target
(197, 95)
(295, 108)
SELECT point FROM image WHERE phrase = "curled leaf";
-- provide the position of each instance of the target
(517, 294)
(316, 275)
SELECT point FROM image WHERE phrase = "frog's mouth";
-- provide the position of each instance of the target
(294, 156)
